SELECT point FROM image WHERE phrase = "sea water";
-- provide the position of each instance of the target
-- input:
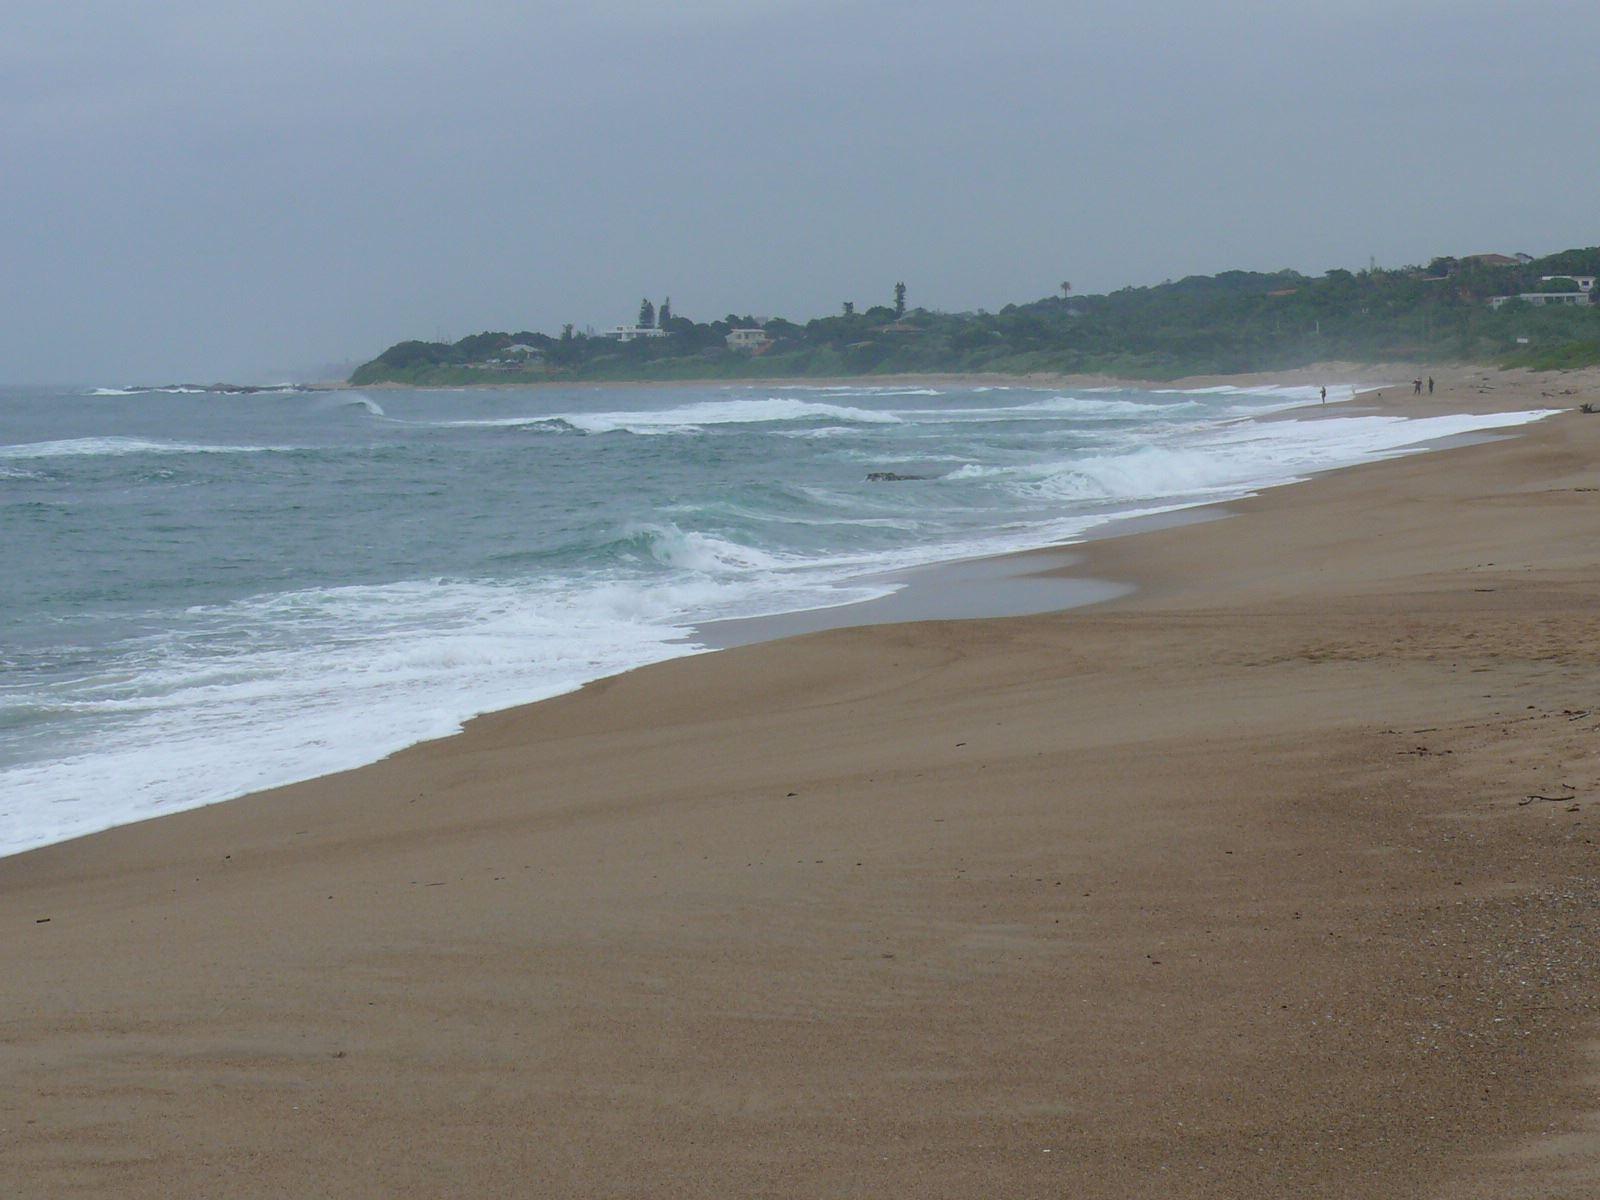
(202, 595)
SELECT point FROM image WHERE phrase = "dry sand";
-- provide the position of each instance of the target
(1229, 887)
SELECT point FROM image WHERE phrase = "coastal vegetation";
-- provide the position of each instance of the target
(1203, 324)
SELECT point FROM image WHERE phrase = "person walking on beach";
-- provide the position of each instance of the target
(1416, 387)
(1430, 385)
(1324, 395)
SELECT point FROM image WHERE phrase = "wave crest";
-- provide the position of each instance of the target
(704, 553)
(91, 447)
(688, 418)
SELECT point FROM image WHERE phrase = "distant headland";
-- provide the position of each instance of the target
(1514, 310)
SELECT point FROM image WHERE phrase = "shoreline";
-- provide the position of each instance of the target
(1030, 581)
(1369, 373)
(997, 583)
(1046, 578)
(1224, 886)
(1006, 582)
(1310, 374)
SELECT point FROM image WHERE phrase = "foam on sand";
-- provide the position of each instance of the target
(130, 714)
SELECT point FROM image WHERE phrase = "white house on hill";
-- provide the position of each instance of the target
(747, 339)
(1585, 282)
(1540, 299)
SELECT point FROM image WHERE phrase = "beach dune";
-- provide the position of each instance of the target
(1275, 877)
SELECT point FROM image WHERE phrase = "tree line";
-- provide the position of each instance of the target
(1232, 322)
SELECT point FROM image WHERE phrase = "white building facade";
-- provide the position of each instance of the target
(1585, 282)
(747, 339)
(1540, 299)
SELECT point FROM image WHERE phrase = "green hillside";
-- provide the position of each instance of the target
(1204, 324)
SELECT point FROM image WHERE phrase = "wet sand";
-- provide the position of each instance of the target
(1275, 876)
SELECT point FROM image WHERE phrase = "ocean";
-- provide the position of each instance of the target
(203, 595)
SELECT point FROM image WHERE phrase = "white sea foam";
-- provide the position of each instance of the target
(817, 432)
(1091, 408)
(703, 552)
(235, 697)
(729, 412)
(689, 417)
(854, 389)
(1243, 456)
(333, 678)
(145, 391)
(110, 446)
(186, 390)
(1087, 408)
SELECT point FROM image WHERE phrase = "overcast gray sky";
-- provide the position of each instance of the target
(198, 189)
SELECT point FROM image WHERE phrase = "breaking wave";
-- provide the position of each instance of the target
(113, 446)
(687, 418)
(525, 567)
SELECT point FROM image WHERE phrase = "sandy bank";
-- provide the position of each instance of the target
(1231, 886)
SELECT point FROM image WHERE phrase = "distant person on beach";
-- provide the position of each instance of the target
(1416, 387)
(1324, 395)
(1430, 385)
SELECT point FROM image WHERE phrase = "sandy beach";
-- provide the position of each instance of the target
(1272, 875)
